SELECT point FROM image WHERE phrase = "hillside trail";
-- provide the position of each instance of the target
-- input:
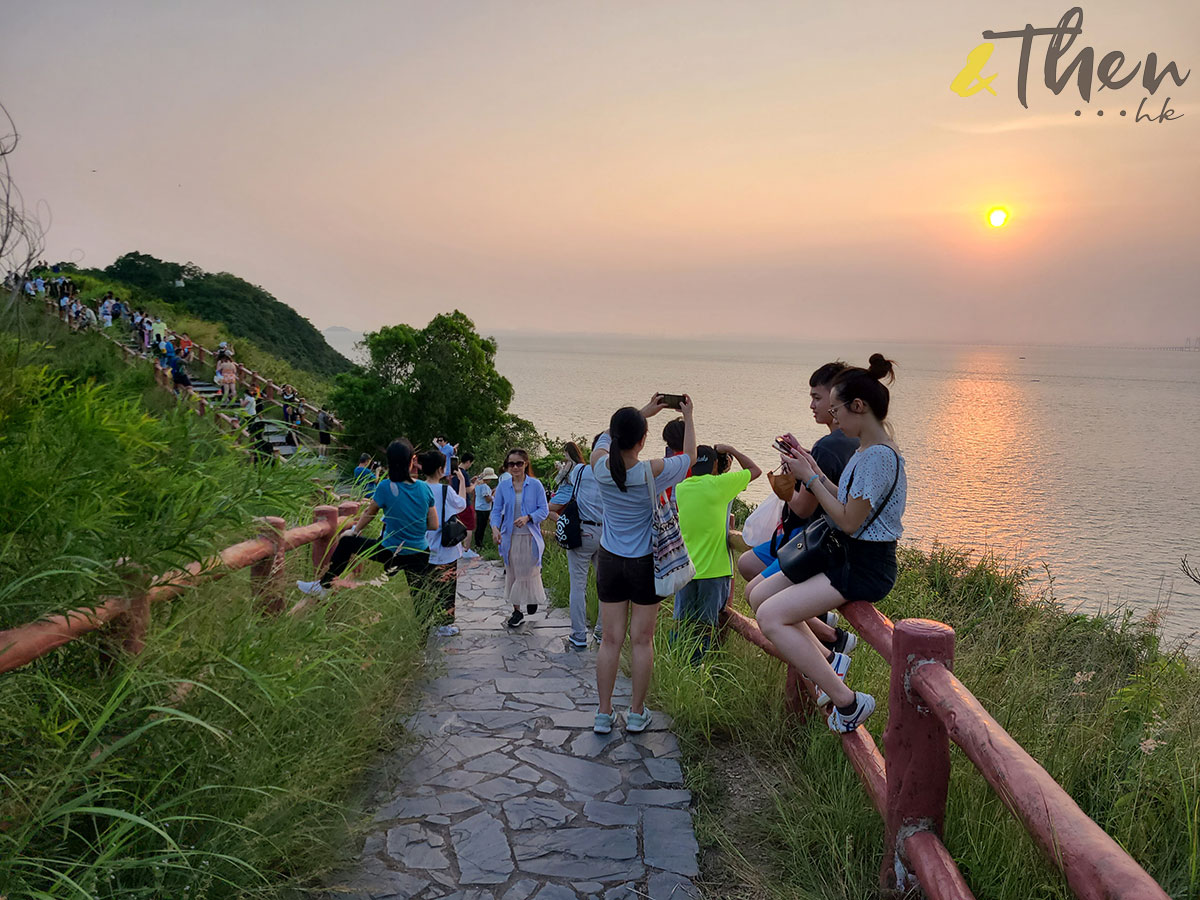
(507, 793)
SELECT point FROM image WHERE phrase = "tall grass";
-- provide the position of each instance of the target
(1110, 713)
(218, 762)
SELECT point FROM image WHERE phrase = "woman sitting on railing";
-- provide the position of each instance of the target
(857, 558)
(408, 514)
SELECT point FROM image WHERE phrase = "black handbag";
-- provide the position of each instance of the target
(822, 545)
(453, 531)
(568, 531)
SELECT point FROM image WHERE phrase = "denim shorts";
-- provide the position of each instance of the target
(624, 578)
(702, 599)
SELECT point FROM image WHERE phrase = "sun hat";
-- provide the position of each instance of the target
(488, 474)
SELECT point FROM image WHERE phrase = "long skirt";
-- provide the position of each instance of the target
(523, 575)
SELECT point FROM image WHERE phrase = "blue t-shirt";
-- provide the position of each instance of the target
(627, 515)
(363, 475)
(405, 506)
(483, 497)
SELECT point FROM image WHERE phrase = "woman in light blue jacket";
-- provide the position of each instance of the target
(518, 509)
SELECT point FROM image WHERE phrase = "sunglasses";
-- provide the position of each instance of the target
(514, 464)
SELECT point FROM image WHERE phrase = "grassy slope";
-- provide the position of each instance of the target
(1110, 714)
(313, 386)
(109, 788)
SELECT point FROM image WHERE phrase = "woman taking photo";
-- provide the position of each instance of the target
(408, 514)
(865, 508)
(518, 510)
(625, 564)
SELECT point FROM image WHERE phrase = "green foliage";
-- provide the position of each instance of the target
(246, 309)
(218, 762)
(440, 380)
(1113, 717)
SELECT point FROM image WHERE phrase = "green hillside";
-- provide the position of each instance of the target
(245, 309)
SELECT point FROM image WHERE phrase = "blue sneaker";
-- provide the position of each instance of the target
(603, 723)
(841, 665)
(864, 705)
(636, 722)
(575, 644)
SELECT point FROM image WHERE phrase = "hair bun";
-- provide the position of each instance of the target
(880, 367)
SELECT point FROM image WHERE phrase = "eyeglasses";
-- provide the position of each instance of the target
(514, 464)
(833, 409)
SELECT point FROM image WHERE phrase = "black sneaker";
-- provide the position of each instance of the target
(531, 608)
(515, 619)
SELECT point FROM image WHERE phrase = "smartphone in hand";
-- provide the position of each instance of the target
(671, 401)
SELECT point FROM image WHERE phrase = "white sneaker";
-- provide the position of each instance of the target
(315, 588)
(864, 705)
(470, 554)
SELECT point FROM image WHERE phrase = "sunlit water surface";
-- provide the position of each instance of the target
(1081, 462)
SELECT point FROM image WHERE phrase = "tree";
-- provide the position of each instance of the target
(422, 383)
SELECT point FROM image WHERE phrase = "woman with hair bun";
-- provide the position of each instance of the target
(865, 508)
(625, 564)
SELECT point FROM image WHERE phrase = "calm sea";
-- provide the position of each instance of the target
(1083, 463)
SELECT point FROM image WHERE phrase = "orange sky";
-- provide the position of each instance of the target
(687, 168)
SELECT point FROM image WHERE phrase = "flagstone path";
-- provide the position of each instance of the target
(509, 795)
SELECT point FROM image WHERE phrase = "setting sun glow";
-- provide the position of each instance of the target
(997, 217)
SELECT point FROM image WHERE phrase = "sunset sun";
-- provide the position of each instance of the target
(997, 216)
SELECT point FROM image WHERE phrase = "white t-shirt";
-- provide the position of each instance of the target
(439, 555)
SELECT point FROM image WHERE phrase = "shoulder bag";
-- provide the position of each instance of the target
(568, 531)
(673, 567)
(454, 531)
(822, 544)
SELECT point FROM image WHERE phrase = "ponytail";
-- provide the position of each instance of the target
(627, 427)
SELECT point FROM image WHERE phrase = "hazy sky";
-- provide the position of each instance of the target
(692, 168)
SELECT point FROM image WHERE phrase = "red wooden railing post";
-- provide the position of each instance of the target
(265, 575)
(916, 747)
(320, 547)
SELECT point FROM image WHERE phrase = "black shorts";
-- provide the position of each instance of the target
(181, 379)
(324, 437)
(868, 572)
(623, 578)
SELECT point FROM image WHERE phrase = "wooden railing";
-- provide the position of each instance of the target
(263, 555)
(927, 708)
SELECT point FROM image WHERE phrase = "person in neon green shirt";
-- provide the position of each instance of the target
(704, 503)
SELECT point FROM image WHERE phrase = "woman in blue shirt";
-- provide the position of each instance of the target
(518, 510)
(408, 513)
(625, 567)
(865, 507)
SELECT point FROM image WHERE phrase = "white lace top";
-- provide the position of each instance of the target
(869, 474)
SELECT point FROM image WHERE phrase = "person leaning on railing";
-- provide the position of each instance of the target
(408, 514)
(865, 508)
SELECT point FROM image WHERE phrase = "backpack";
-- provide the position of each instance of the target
(569, 531)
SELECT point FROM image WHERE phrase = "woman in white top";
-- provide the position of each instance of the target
(447, 503)
(865, 510)
(625, 566)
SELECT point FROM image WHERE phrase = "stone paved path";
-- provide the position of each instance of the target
(510, 795)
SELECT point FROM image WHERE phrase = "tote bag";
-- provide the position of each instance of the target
(672, 566)
(760, 525)
(569, 530)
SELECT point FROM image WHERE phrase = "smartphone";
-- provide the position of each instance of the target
(671, 401)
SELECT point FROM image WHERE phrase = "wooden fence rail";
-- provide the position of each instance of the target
(927, 709)
(263, 555)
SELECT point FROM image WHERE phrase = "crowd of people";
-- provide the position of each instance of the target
(633, 519)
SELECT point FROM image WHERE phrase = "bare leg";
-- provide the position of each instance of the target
(749, 565)
(781, 617)
(822, 631)
(642, 647)
(614, 617)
